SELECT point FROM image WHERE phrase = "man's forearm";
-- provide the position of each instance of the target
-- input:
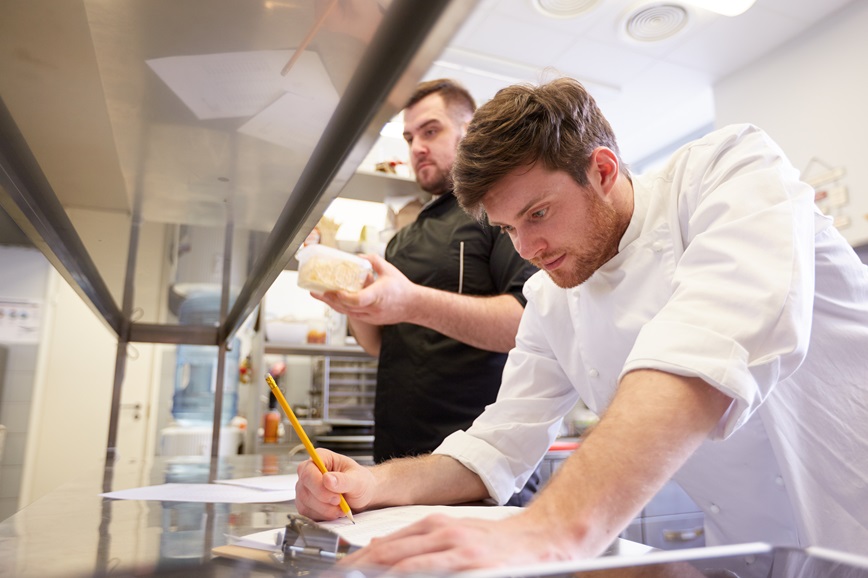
(367, 335)
(432, 479)
(653, 425)
(485, 322)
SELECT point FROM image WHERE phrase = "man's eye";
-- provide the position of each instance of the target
(505, 229)
(538, 214)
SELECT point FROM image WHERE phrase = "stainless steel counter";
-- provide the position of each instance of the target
(73, 532)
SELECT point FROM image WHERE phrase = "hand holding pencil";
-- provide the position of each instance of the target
(345, 508)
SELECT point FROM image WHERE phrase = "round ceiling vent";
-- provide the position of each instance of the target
(656, 22)
(564, 8)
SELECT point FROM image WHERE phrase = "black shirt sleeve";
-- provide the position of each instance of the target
(508, 270)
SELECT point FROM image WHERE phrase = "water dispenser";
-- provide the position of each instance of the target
(196, 367)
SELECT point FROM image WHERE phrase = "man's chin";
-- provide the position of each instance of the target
(565, 281)
(435, 187)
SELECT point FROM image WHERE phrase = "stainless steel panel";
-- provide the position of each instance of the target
(634, 532)
(674, 532)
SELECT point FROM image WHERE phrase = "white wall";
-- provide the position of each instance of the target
(70, 412)
(25, 276)
(811, 95)
(69, 418)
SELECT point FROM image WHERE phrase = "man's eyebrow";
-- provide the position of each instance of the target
(421, 126)
(518, 215)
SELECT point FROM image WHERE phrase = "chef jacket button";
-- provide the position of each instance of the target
(714, 509)
(593, 373)
(657, 246)
(779, 481)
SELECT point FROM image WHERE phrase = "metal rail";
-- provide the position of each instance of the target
(411, 36)
(27, 196)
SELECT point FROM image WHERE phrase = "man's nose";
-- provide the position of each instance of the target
(528, 246)
(417, 148)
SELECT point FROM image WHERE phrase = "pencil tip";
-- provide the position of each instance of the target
(350, 516)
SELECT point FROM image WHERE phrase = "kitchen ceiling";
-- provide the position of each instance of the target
(655, 94)
(83, 84)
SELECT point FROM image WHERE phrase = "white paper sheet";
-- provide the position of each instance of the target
(242, 84)
(217, 493)
(270, 483)
(625, 549)
(266, 540)
(376, 523)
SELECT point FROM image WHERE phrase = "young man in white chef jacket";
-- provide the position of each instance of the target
(708, 312)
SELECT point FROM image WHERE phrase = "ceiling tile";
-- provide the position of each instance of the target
(606, 63)
(650, 91)
(514, 40)
(730, 43)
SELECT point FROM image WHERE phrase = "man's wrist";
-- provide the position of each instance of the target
(421, 305)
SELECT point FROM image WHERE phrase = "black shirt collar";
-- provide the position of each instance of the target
(440, 201)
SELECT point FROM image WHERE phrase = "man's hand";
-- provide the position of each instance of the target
(441, 542)
(618, 468)
(317, 495)
(386, 299)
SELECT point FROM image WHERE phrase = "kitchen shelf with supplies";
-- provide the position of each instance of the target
(343, 386)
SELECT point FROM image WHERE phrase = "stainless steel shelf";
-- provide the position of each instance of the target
(315, 349)
(367, 186)
(91, 123)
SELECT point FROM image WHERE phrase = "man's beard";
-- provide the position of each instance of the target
(438, 185)
(605, 229)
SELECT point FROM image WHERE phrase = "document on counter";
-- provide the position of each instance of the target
(376, 523)
(216, 493)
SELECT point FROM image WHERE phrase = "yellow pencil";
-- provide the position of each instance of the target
(345, 507)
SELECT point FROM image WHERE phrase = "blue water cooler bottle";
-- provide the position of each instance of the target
(196, 367)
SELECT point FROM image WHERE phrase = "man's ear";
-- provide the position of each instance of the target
(462, 130)
(603, 169)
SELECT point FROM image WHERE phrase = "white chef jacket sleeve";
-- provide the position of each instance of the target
(506, 443)
(740, 312)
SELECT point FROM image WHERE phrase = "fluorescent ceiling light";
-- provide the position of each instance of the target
(564, 8)
(723, 7)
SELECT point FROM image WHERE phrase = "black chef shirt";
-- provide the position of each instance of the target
(430, 385)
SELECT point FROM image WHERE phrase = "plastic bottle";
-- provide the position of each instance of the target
(271, 421)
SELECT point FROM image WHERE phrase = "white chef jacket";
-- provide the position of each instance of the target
(726, 272)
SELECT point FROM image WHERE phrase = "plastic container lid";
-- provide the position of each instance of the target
(322, 268)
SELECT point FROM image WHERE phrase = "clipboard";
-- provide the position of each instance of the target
(305, 538)
(302, 545)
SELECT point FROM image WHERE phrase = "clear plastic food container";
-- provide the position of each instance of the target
(322, 268)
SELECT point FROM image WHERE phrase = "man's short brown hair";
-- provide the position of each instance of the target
(458, 100)
(557, 123)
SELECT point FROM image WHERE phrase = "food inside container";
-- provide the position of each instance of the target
(322, 268)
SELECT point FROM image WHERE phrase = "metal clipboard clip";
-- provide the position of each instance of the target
(305, 538)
